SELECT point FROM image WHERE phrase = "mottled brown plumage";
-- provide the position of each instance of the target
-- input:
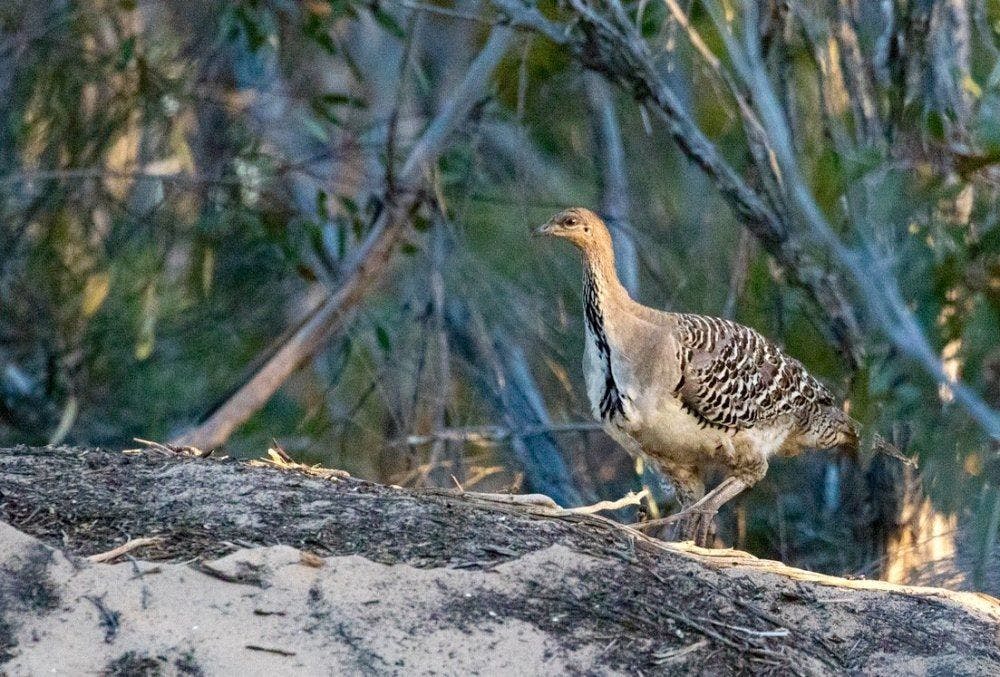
(691, 392)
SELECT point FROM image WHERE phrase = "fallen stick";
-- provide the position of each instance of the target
(543, 501)
(674, 654)
(268, 649)
(631, 498)
(127, 547)
(172, 448)
(540, 500)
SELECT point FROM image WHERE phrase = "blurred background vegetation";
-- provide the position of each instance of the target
(185, 187)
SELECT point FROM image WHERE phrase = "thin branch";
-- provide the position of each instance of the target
(124, 549)
(629, 499)
(856, 77)
(545, 503)
(369, 266)
(537, 500)
(738, 274)
(610, 160)
(521, 15)
(443, 349)
(615, 47)
(451, 12)
(756, 136)
(506, 381)
(493, 433)
(869, 272)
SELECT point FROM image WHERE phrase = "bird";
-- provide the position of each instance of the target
(692, 393)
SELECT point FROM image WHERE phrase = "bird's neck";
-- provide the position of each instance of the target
(604, 298)
(601, 287)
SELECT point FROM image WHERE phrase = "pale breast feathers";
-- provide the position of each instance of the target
(734, 378)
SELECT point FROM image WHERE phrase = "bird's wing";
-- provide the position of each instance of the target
(734, 378)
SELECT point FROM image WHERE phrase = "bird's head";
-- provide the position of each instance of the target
(579, 225)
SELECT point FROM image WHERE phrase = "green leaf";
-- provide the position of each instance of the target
(256, 36)
(315, 128)
(349, 205)
(934, 124)
(315, 234)
(421, 222)
(323, 111)
(342, 8)
(322, 204)
(125, 53)
(317, 31)
(383, 338)
(387, 21)
(334, 99)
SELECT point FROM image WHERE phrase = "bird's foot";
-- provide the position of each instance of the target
(699, 527)
(694, 523)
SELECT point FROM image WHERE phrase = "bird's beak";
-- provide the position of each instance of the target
(544, 229)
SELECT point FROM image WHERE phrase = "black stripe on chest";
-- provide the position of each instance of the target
(611, 403)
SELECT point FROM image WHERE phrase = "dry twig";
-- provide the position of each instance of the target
(268, 649)
(278, 458)
(185, 450)
(631, 498)
(127, 547)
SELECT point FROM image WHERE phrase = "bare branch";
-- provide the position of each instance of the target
(494, 433)
(369, 266)
(629, 499)
(870, 273)
(613, 46)
(756, 136)
(506, 381)
(124, 549)
(610, 159)
(443, 376)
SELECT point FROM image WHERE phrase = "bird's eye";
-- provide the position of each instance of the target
(571, 222)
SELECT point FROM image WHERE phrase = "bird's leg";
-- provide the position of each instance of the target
(695, 526)
(747, 471)
(687, 488)
(696, 521)
(708, 505)
(703, 512)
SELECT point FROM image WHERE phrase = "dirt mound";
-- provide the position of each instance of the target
(279, 571)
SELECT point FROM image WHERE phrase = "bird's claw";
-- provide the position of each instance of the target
(694, 523)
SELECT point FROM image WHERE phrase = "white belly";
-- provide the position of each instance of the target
(667, 426)
(593, 375)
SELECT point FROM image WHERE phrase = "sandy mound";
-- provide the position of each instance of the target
(414, 583)
(268, 612)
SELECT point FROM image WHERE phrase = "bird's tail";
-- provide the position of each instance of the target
(850, 447)
(849, 439)
(880, 445)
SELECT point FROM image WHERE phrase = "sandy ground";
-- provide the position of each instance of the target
(268, 612)
(261, 571)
